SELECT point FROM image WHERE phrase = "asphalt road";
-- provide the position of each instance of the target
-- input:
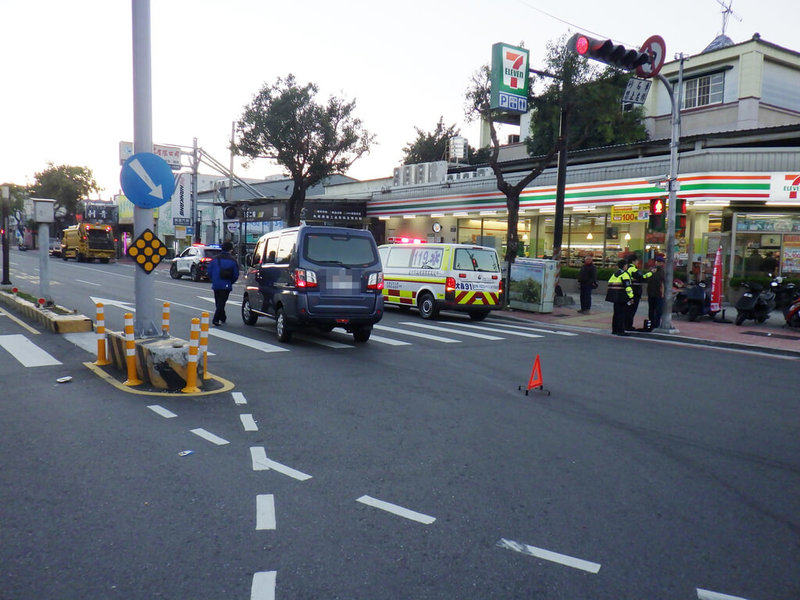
(408, 467)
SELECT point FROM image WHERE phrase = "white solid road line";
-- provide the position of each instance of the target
(265, 512)
(206, 435)
(263, 587)
(26, 352)
(262, 463)
(245, 341)
(482, 336)
(248, 422)
(562, 559)
(238, 398)
(396, 510)
(160, 410)
(426, 336)
(707, 595)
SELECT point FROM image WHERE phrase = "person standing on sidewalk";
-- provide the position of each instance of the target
(223, 272)
(587, 281)
(620, 292)
(637, 277)
(655, 294)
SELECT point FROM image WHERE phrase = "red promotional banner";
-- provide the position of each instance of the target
(716, 283)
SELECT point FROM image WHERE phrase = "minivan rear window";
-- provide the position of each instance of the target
(476, 259)
(340, 249)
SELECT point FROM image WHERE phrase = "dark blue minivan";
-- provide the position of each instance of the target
(315, 276)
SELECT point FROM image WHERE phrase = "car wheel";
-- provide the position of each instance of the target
(361, 334)
(195, 272)
(282, 327)
(478, 315)
(427, 306)
(248, 316)
(173, 271)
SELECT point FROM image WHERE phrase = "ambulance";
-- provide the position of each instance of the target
(434, 277)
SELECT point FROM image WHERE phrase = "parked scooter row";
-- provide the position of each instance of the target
(756, 303)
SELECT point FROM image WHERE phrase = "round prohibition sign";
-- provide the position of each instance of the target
(656, 49)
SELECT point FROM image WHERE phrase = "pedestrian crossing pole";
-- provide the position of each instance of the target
(191, 365)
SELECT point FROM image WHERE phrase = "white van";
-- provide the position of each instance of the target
(432, 277)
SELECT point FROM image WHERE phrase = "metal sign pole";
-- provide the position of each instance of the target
(145, 323)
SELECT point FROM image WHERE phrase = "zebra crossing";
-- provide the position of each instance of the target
(405, 333)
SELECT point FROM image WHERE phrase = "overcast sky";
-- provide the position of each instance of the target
(67, 65)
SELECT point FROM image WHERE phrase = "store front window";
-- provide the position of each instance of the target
(767, 244)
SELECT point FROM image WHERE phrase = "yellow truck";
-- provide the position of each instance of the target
(85, 242)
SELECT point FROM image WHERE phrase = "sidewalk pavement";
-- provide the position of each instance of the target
(771, 337)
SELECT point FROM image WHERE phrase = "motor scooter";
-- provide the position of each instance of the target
(785, 292)
(792, 311)
(694, 300)
(755, 303)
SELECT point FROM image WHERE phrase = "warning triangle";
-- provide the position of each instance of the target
(536, 376)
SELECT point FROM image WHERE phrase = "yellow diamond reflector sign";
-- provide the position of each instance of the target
(147, 251)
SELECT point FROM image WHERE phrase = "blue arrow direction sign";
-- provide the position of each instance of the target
(147, 180)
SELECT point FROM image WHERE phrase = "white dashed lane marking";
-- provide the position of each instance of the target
(262, 463)
(206, 435)
(396, 510)
(562, 559)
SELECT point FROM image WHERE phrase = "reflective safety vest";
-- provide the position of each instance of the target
(637, 277)
(619, 287)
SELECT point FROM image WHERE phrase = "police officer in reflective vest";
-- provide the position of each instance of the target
(637, 277)
(620, 292)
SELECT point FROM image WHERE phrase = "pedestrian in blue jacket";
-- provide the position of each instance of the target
(223, 271)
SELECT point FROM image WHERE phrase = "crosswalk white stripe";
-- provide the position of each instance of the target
(504, 332)
(538, 330)
(389, 341)
(482, 336)
(396, 510)
(426, 336)
(160, 410)
(26, 352)
(709, 595)
(246, 341)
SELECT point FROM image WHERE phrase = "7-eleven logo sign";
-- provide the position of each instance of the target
(792, 185)
(515, 68)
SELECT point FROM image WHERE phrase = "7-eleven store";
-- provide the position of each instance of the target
(745, 213)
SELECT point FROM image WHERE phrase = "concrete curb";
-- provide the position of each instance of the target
(50, 317)
(654, 335)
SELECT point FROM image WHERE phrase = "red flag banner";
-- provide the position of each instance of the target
(716, 283)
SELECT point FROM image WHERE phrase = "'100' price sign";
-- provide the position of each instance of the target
(630, 214)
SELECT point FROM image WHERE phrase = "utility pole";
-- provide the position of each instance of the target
(672, 189)
(5, 201)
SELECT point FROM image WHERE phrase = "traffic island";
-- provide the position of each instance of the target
(57, 319)
(162, 363)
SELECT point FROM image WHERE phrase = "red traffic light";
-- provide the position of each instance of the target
(606, 51)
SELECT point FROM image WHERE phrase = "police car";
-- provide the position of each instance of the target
(438, 276)
(193, 261)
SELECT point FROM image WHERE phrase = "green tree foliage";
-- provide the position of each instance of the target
(429, 146)
(310, 140)
(593, 99)
(66, 185)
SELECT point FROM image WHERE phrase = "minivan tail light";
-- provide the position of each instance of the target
(375, 281)
(303, 278)
(450, 284)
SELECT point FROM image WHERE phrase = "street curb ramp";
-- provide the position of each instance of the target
(160, 362)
